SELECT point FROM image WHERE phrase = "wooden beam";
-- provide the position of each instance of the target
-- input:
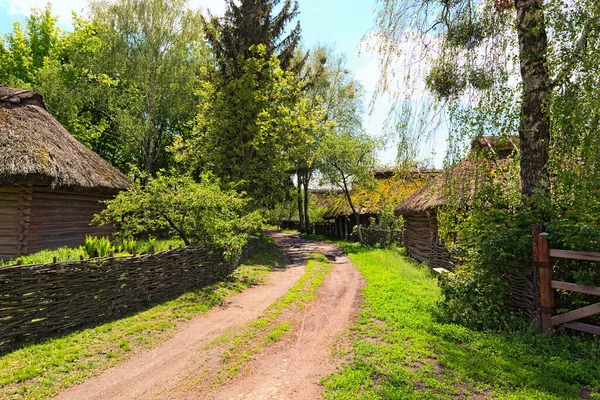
(587, 328)
(573, 287)
(576, 314)
(575, 255)
(546, 294)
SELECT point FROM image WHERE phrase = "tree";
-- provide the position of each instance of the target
(154, 51)
(246, 130)
(199, 213)
(23, 52)
(347, 160)
(473, 48)
(249, 24)
(338, 96)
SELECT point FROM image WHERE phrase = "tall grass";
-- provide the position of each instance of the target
(97, 247)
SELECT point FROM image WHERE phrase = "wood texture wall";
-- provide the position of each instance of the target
(423, 242)
(34, 218)
(9, 221)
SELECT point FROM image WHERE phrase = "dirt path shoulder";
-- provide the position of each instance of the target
(290, 369)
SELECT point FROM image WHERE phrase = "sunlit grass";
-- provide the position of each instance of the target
(402, 351)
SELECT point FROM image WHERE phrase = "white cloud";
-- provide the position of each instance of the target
(216, 7)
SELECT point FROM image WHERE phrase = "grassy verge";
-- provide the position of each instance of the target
(41, 370)
(241, 345)
(402, 351)
(73, 254)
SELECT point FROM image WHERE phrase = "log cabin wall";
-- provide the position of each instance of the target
(35, 218)
(61, 218)
(9, 221)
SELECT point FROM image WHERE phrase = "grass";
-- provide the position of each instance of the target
(41, 370)
(402, 351)
(243, 344)
(73, 254)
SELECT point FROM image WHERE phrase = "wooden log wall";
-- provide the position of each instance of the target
(9, 221)
(35, 218)
(63, 219)
(46, 299)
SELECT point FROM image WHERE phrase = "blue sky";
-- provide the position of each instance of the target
(339, 22)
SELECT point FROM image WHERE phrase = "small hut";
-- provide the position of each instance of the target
(50, 184)
(457, 184)
(391, 185)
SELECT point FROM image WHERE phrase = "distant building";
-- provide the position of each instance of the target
(457, 184)
(392, 184)
(50, 184)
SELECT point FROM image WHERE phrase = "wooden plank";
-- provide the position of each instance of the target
(576, 314)
(441, 271)
(587, 328)
(573, 287)
(575, 255)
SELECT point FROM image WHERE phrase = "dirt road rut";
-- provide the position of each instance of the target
(291, 369)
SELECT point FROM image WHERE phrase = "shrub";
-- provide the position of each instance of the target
(198, 212)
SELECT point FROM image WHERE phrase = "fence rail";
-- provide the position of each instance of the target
(547, 285)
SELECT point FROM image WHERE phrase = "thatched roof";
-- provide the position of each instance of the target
(34, 147)
(460, 182)
(391, 185)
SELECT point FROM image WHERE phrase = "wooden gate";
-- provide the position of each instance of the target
(543, 264)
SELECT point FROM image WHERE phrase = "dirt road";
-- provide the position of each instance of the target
(291, 369)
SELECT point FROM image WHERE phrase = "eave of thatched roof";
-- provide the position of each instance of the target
(460, 182)
(34, 147)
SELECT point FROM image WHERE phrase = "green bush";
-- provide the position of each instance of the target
(197, 212)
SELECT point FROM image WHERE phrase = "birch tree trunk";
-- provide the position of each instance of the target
(535, 124)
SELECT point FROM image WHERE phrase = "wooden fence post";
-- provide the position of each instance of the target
(544, 263)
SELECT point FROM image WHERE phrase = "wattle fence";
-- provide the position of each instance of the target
(40, 300)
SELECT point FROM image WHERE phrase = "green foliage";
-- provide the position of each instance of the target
(47, 256)
(199, 213)
(247, 128)
(97, 247)
(401, 350)
(25, 51)
(252, 23)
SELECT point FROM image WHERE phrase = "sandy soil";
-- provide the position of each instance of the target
(291, 369)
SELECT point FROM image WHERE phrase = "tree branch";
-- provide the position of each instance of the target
(582, 44)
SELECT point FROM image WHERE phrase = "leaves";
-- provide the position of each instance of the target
(199, 213)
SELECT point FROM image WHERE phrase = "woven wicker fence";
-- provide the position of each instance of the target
(385, 237)
(41, 300)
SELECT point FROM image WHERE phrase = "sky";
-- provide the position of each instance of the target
(342, 23)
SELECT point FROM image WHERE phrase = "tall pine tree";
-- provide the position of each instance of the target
(254, 57)
(251, 23)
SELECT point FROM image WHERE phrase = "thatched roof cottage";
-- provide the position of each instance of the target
(392, 184)
(457, 184)
(50, 184)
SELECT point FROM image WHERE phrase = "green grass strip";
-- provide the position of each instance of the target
(244, 345)
(41, 370)
(402, 351)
